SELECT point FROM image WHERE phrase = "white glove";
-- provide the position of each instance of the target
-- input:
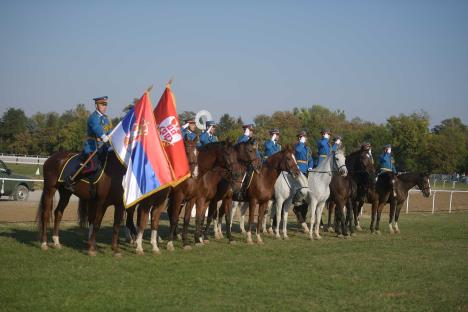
(185, 126)
(104, 138)
(310, 169)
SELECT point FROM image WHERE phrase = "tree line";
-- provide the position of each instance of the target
(416, 147)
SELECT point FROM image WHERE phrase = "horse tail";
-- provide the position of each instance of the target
(82, 213)
(39, 214)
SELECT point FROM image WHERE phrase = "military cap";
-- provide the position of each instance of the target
(325, 131)
(301, 134)
(189, 120)
(365, 145)
(274, 131)
(210, 123)
(337, 137)
(388, 146)
(100, 100)
(248, 126)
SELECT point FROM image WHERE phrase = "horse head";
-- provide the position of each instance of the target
(288, 161)
(424, 184)
(339, 162)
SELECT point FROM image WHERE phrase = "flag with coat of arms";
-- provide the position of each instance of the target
(171, 136)
(137, 144)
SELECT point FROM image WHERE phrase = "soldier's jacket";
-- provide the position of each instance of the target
(387, 163)
(206, 138)
(303, 157)
(189, 135)
(97, 126)
(271, 148)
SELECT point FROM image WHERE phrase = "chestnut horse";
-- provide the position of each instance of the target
(108, 191)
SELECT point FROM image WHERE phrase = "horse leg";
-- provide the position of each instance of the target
(234, 206)
(187, 214)
(391, 216)
(173, 211)
(130, 230)
(212, 213)
(397, 216)
(313, 205)
(118, 216)
(142, 220)
(261, 215)
(252, 206)
(373, 216)
(95, 220)
(155, 216)
(318, 212)
(242, 211)
(200, 215)
(357, 207)
(45, 209)
(331, 211)
(350, 216)
(286, 205)
(379, 213)
(279, 206)
(227, 214)
(58, 213)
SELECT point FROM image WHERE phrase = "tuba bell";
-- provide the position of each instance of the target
(201, 118)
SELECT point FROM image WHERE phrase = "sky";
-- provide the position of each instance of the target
(372, 59)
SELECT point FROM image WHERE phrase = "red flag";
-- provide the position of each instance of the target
(171, 136)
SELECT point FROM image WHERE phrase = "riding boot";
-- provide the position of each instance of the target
(69, 184)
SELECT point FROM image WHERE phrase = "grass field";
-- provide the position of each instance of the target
(423, 269)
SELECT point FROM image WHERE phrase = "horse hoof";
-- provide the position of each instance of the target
(199, 244)
(260, 242)
(206, 241)
(285, 237)
(217, 237)
(57, 246)
(244, 232)
(232, 242)
(358, 228)
(278, 236)
(340, 236)
(170, 246)
(92, 253)
(397, 231)
(250, 241)
(353, 234)
(187, 247)
(378, 233)
(139, 252)
(156, 252)
(179, 237)
(44, 246)
(117, 254)
(347, 237)
(270, 231)
(318, 237)
(331, 230)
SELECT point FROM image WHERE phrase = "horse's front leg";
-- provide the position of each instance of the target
(58, 213)
(261, 215)
(252, 206)
(313, 205)
(286, 206)
(155, 216)
(279, 205)
(391, 217)
(45, 210)
(142, 220)
(118, 216)
(95, 221)
(318, 219)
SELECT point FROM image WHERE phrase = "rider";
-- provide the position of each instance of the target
(188, 129)
(323, 146)
(272, 146)
(248, 133)
(337, 143)
(98, 128)
(386, 162)
(208, 136)
(302, 154)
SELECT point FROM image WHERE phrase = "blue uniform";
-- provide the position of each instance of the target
(243, 138)
(387, 164)
(206, 138)
(189, 135)
(323, 150)
(334, 147)
(303, 158)
(98, 125)
(271, 147)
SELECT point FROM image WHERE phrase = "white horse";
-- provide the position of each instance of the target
(319, 189)
(287, 190)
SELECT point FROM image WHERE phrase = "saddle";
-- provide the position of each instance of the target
(242, 194)
(90, 174)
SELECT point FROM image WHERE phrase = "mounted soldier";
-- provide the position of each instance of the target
(337, 143)
(386, 162)
(208, 136)
(323, 146)
(272, 146)
(188, 130)
(96, 145)
(302, 154)
(248, 133)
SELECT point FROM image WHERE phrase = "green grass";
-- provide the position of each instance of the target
(423, 269)
(26, 170)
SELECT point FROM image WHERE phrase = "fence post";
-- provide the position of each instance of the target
(434, 183)
(433, 202)
(407, 202)
(450, 207)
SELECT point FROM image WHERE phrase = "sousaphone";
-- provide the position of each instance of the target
(201, 117)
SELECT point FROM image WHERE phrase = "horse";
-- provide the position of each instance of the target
(394, 190)
(108, 191)
(261, 188)
(319, 188)
(342, 191)
(360, 165)
(289, 189)
(224, 155)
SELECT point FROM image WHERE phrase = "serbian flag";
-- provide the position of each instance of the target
(171, 136)
(136, 143)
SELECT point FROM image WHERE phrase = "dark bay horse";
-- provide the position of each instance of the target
(261, 189)
(395, 193)
(108, 191)
(342, 191)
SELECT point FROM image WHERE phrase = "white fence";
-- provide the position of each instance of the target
(434, 194)
(28, 160)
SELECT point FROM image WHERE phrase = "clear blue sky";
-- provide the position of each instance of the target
(372, 59)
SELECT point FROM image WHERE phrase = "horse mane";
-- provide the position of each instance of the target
(213, 146)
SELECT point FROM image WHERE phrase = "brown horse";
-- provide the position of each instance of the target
(108, 191)
(261, 188)
(394, 190)
(342, 190)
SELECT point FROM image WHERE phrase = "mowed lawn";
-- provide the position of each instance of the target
(423, 269)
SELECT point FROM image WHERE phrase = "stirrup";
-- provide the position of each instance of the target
(68, 184)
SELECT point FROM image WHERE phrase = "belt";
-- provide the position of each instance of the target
(302, 161)
(324, 156)
(93, 138)
(386, 169)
